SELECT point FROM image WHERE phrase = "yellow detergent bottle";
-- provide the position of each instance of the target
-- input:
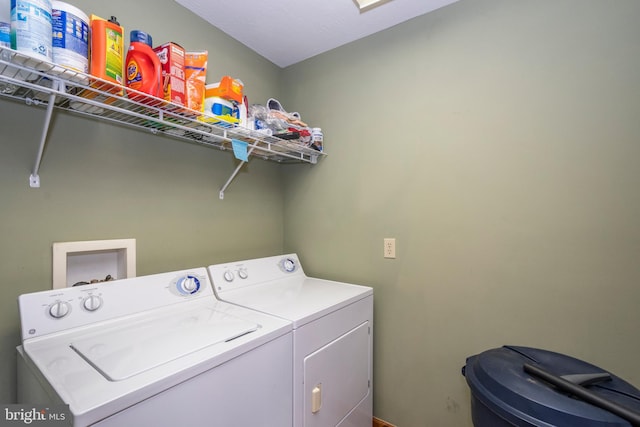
(107, 49)
(105, 63)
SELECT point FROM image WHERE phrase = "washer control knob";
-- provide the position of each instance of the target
(92, 303)
(243, 273)
(228, 276)
(188, 284)
(59, 309)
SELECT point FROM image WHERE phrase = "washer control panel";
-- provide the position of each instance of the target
(235, 275)
(59, 309)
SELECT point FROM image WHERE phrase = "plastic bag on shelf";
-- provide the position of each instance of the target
(276, 110)
(282, 124)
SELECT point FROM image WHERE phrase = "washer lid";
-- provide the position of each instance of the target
(497, 379)
(119, 353)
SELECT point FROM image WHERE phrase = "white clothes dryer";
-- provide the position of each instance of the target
(332, 335)
(156, 350)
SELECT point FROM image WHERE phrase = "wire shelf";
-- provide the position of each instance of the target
(43, 84)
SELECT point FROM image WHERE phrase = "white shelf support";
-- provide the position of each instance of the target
(34, 178)
(235, 172)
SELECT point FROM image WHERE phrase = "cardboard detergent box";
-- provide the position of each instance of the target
(172, 59)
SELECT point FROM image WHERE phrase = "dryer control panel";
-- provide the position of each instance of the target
(242, 274)
(56, 310)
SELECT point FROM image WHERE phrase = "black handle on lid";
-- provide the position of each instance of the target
(588, 396)
(587, 379)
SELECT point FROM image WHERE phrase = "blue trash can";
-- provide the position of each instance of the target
(522, 386)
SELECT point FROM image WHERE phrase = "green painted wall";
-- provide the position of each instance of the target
(497, 141)
(100, 181)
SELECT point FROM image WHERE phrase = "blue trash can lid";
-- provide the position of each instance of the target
(497, 379)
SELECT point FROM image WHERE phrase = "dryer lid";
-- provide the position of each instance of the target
(121, 352)
(299, 299)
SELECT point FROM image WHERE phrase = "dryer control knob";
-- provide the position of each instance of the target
(289, 265)
(243, 273)
(92, 303)
(59, 309)
(228, 276)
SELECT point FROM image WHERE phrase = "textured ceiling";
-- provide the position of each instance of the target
(289, 31)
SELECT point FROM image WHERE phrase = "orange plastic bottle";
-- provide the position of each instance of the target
(107, 49)
(143, 67)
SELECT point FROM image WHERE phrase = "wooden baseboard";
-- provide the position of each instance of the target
(377, 422)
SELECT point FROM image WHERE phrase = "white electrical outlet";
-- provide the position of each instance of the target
(389, 247)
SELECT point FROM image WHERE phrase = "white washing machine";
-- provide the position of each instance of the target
(156, 350)
(332, 335)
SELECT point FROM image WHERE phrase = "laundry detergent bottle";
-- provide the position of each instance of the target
(107, 46)
(143, 68)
